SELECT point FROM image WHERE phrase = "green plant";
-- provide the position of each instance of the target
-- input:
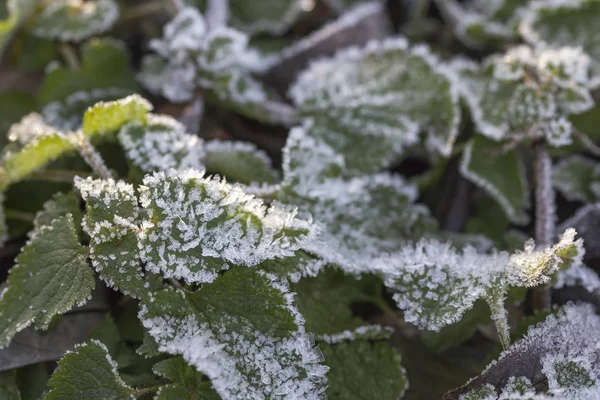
(163, 257)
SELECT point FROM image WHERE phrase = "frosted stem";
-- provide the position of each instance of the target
(545, 214)
(500, 317)
(217, 13)
(91, 156)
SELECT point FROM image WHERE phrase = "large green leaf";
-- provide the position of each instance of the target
(88, 373)
(104, 64)
(198, 225)
(51, 276)
(500, 173)
(364, 370)
(107, 117)
(271, 16)
(564, 23)
(73, 20)
(239, 161)
(243, 332)
(388, 92)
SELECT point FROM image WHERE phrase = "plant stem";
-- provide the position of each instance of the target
(20, 215)
(217, 13)
(500, 316)
(545, 214)
(69, 54)
(57, 175)
(91, 156)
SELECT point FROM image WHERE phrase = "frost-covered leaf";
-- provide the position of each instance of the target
(176, 392)
(558, 23)
(239, 161)
(573, 177)
(88, 372)
(187, 382)
(386, 91)
(585, 221)
(110, 221)
(161, 144)
(364, 370)
(561, 352)
(527, 93)
(108, 117)
(271, 16)
(74, 20)
(500, 173)
(479, 22)
(435, 284)
(34, 156)
(67, 114)
(51, 276)
(342, 5)
(96, 56)
(197, 225)
(244, 333)
(60, 205)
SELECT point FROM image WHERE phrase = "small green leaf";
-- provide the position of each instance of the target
(364, 370)
(501, 174)
(88, 372)
(108, 117)
(73, 20)
(234, 331)
(272, 16)
(198, 225)
(188, 383)
(386, 92)
(176, 392)
(8, 385)
(60, 205)
(160, 145)
(239, 161)
(573, 177)
(96, 56)
(50, 277)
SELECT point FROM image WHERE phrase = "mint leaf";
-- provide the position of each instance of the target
(274, 16)
(573, 177)
(61, 204)
(239, 161)
(197, 225)
(161, 144)
(108, 117)
(50, 277)
(243, 332)
(73, 21)
(371, 92)
(88, 372)
(361, 369)
(501, 174)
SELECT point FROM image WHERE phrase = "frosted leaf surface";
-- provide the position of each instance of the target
(74, 20)
(379, 91)
(31, 127)
(271, 16)
(67, 114)
(111, 222)
(558, 23)
(501, 174)
(574, 176)
(241, 162)
(435, 283)
(242, 331)
(107, 117)
(527, 92)
(50, 277)
(161, 144)
(563, 349)
(578, 275)
(197, 225)
(60, 205)
(479, 22)
(88, 372)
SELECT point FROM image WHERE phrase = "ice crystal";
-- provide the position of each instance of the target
(31, 127)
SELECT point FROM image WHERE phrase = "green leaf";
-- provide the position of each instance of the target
(364, 370)
(342, 5)
(108, 117)
(500, 173)
(301, 264)
(234, 331)
(74, 21)
(161, 144)
(573, 177)
(387, 92)
(561, 23)
(50, 277)
(107, 333)
(34, 156)
(239, 161)
(272, 16)
(88, 372)
(104, 64)
(188, 383)
(8, 385)
(13, 107)
(197, 225)
(32, 381)
(61, 204)
(18, 11)
(176, 392)
(110, 221)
